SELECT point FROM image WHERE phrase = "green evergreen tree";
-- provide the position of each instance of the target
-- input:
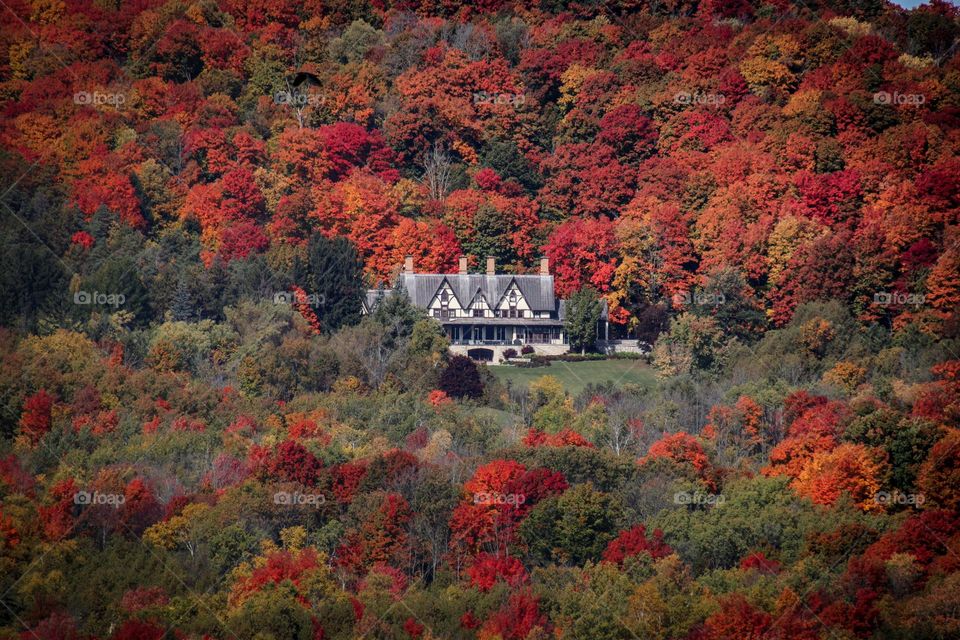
(332, 272)
(183, 306)
(505, 158)
(583, 312)
(725, 298)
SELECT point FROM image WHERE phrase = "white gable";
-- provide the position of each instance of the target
(444, 298)
(479, 302)
(513, 299)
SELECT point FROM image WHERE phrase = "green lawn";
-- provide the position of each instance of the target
(576, 375)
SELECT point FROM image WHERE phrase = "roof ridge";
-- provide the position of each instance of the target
(537, 289)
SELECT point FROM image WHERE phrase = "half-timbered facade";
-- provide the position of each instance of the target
(484, 314)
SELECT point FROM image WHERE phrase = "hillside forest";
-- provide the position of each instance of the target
(204, 437)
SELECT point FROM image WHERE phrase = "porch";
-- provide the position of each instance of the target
(489, 334)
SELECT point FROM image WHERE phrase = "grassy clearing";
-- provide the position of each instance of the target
(576, 375)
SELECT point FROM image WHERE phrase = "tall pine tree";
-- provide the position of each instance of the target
(583, 312)
(332, 274)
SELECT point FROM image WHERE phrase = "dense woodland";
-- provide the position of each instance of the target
(201, 437)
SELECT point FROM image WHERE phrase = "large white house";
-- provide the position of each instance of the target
(484, 314)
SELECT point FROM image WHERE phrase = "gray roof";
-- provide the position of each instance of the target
(526, 322)
(536, 289)
(421, 283)
(372, 297)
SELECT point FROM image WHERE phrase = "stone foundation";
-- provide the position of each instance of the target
(497, 350)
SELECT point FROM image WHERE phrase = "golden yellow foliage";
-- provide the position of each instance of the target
(46, 11)
(851, 26)
(846, 375)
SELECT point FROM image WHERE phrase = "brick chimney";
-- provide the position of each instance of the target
(463, 264)
(491, 265)
(408, 264)
(544, 266)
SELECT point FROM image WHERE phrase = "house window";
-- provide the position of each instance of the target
(445, 313)
(512, 302)
(478, 313)
(436, 313)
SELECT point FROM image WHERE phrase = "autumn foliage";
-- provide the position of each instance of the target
(212, 426)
